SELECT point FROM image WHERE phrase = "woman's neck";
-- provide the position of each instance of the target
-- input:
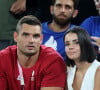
(82, 66)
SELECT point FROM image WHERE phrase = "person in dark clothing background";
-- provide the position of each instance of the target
(86, 8)
(40, 8)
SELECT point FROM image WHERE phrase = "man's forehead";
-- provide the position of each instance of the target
(31, 30)
(64, 2)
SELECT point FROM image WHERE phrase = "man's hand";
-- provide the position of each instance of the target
(97, 41)
(18, 7)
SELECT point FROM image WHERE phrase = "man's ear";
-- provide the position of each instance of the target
(75, 13)
(15, 36)
(51, 9)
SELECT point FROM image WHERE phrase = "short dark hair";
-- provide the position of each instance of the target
(87, 50)
(29, 19)
(76, 2)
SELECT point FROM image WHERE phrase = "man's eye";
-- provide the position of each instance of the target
(25, 34)
(68, 7)
(58, 5)
(36, 36)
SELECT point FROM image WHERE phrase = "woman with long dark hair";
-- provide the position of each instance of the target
(84, 71)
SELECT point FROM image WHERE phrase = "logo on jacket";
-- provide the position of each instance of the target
(51, 43)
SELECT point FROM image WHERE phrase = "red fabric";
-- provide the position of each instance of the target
(50, 70)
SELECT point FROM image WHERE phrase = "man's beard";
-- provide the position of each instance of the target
(62, 22)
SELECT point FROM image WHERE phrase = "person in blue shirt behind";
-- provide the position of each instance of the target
(63, 11)
(92, 25)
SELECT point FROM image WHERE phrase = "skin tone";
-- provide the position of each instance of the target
(97, 4)
(97, 41)
(73, 51)
(28, 41)
(62, 11)
(19, 6)
(51, 88)
(72, 46)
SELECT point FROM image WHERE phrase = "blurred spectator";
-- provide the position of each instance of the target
(86, 8)
(92, 24)
(40, 9)
(8, 12)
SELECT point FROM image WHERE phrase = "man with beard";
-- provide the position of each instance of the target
(30, 65)
(63, 11)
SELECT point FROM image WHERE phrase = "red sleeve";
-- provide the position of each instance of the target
(3, 80)
(55, 74)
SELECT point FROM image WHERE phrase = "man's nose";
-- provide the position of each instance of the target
(63, 9)
(31, 38)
